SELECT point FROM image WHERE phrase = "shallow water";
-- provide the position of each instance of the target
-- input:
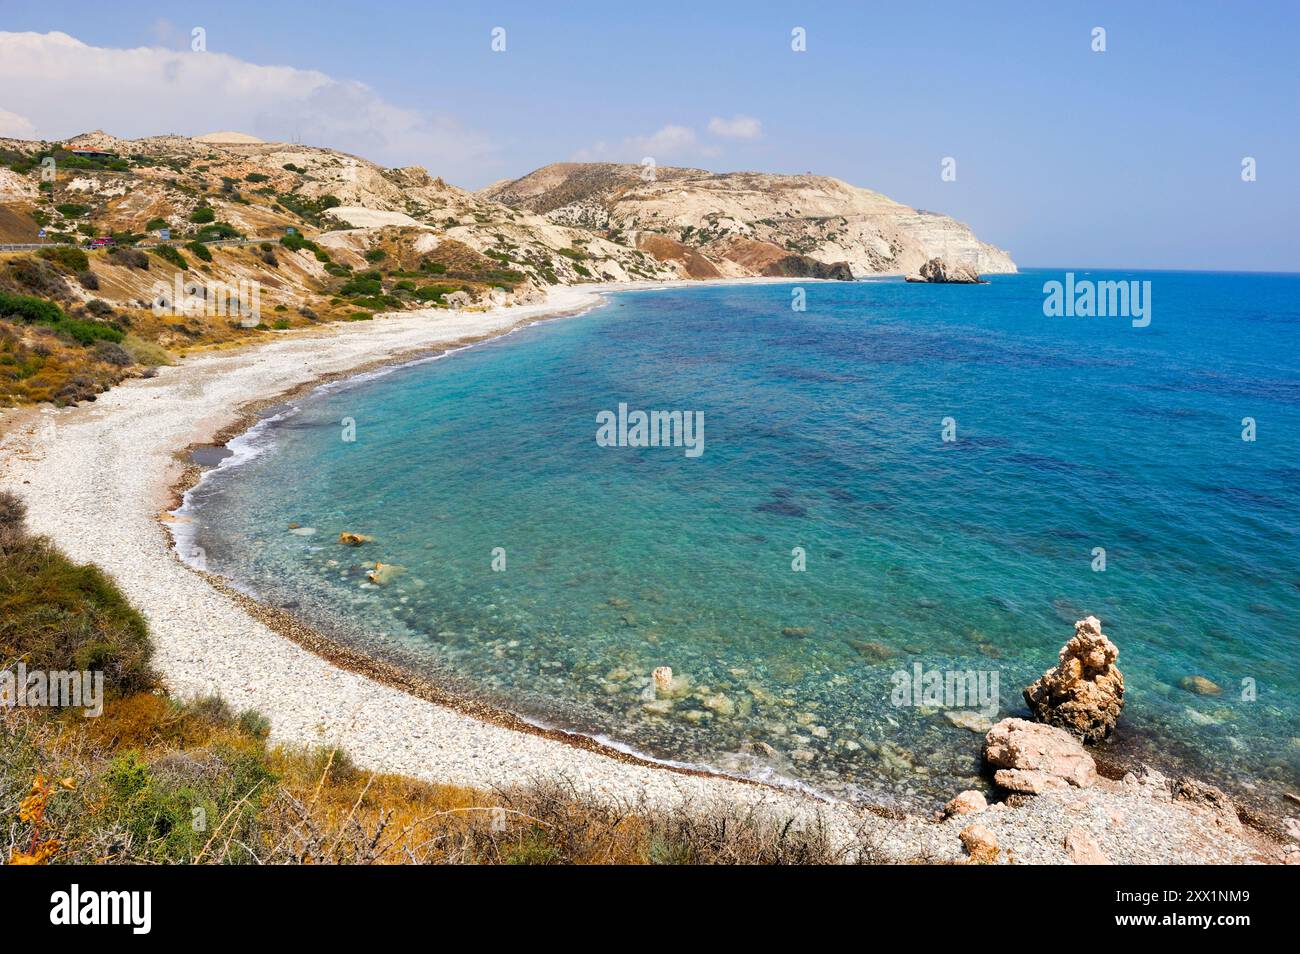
(823, 431)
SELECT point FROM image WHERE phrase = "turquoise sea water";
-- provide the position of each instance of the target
(823, 431)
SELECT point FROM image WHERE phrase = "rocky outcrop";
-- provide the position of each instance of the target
(1207, 796)
(748, 223)
(940, 271)
(353, 539)
(1084, 693)
(1033, 758)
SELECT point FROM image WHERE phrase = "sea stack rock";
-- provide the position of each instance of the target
(1084, 694)
(940, 270)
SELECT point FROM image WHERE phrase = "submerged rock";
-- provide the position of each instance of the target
(663, 679)
(720, 704)
(1199, 685)
(969, 719)
(383, 573)
(354, 539)
(1033, 758)
(1084, 693)
(872, 650)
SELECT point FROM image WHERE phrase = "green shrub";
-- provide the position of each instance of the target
(360, 316)
(155, 804)
(308, 209)
(217, 231)
(433, 292)
(376, 255)
(72, 210)
(88, 332)
(66, 256)
(203, 215)
(200, 251)
(153, 225)
(59, 615)
(256, 177)
(30, 309)
(361, 286)
(171, 254)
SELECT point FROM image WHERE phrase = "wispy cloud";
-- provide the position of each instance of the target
(737, 127)
(69, 87)
(667, 143)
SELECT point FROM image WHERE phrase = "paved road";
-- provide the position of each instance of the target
(181, 243)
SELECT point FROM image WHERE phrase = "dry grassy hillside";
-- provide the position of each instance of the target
(320, 236)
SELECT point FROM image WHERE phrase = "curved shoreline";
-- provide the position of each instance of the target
(103, 473)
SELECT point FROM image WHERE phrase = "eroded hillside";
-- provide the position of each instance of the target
(748, 223)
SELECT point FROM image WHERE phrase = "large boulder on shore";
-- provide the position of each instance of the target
(1034, 758)
(942, 271)
(1084, 693)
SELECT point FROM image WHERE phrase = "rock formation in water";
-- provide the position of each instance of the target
(1033, 758)
(941, 271)
(1084, 693)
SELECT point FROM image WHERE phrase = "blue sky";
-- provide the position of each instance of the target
(1064, 156)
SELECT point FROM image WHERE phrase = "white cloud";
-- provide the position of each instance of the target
(14, 126)
(664, 144)
(69, 87)
(737, 127)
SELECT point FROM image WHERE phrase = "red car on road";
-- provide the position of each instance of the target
(102, 242)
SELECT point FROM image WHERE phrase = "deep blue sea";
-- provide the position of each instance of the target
(824, 431)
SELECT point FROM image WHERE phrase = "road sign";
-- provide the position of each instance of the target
(41, 234)
(165, 234)
(289, 230)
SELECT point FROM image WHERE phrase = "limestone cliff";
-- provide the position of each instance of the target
(745, 223)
